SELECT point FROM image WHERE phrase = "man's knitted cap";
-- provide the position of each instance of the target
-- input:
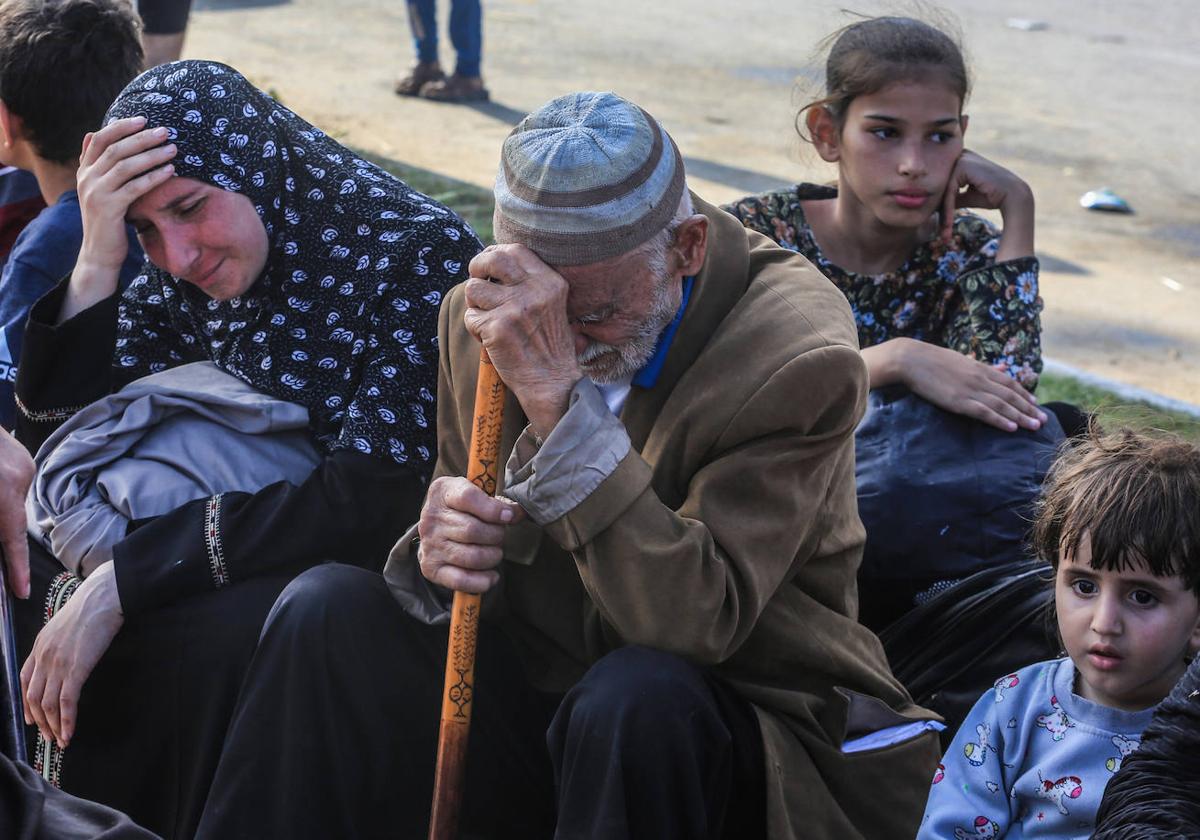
(586, 177)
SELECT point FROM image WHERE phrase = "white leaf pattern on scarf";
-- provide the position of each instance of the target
(364, 335)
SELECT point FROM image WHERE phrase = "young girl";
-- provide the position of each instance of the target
(943, 305)
(1117, 520)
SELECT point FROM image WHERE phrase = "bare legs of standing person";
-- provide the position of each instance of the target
(164, 27)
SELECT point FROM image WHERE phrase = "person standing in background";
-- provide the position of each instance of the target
(427, 79)
(164, 25)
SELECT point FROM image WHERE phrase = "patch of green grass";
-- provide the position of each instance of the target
(1112, 410)
(473, 203)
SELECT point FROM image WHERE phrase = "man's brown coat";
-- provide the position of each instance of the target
(729, 535)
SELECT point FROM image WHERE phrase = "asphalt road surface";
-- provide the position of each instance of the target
(1105, 94)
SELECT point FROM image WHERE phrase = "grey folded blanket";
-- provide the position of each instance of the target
(166, 439)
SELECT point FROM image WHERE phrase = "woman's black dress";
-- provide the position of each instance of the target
(343, 321)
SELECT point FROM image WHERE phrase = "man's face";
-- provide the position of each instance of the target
(617, 309)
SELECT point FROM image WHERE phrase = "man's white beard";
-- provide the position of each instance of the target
(608, 363)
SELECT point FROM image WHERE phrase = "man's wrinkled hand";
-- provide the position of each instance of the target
(517, 306)
(462, 534)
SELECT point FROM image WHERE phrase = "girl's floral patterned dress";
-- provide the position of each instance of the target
(953, 294)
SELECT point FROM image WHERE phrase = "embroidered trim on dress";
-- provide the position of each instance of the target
(212, 541)
(47, 761)
(61, 588)
(50, 415)
(48, 758)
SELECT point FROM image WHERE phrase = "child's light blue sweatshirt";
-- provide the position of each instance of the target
(1032, 759)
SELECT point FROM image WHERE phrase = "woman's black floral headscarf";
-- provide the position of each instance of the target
(344, 318)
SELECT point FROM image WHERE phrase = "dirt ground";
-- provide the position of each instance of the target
(1104, 95)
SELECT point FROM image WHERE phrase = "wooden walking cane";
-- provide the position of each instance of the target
(459, 692)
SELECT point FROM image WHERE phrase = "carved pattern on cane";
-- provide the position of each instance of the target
(487, 431)
(463, 648)
(458, 696)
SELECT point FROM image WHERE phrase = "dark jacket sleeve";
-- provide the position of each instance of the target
(352, 509)
(1154, 792)
(66, 366)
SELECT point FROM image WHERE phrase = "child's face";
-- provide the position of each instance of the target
(897, 148)
(1127, 632)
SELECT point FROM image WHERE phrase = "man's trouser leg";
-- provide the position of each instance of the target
(466, 34)
(649, 746)
(422, 19)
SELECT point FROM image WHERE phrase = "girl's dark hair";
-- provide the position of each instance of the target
(1134, 496)
(871, 54)
(62, 63)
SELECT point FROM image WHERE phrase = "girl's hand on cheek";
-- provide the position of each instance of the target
(976, 181)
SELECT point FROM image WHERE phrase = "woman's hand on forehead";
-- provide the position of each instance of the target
(118, 164)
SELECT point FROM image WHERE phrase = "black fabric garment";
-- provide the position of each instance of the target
(1154, 794)
(647, 745)
(32, 809)
(351, 509)
(942, 496)
(1073, 419)
(152, 716)
(164, 17)
(949, 650)
(336, 733)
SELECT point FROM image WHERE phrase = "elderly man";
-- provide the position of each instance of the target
(668, 646)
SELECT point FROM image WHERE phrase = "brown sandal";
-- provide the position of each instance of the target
(456, 88)
(422, 73)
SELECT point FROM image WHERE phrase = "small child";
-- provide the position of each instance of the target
(1037, 751)
(62, 63)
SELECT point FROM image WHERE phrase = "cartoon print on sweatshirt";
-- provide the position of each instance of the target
(1125, 748)
(984, 828)
(1004, 684)
(1056, 722)
(940, 773)
(976, 753)
(1068, 787)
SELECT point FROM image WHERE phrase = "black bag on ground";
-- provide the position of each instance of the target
(942, 497)
(950, 650)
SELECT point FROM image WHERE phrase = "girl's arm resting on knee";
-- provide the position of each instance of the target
(884, 363)
(954, 382)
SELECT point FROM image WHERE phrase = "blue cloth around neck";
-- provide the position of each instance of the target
(647, 377)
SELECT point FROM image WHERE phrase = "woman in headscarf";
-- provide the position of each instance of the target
(305, 272)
